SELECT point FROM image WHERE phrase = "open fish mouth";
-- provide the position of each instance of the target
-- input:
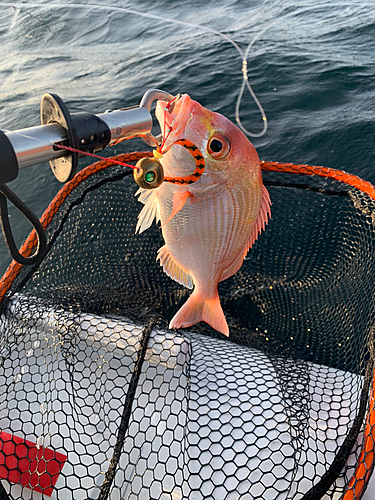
(175, 116)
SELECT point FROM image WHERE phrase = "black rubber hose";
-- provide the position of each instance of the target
(6, 193)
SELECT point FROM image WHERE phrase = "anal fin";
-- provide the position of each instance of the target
(173, 269)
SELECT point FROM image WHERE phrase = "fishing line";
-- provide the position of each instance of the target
(242, 54)
(86, 153)
(37, 18)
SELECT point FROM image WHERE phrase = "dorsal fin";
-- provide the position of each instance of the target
(260, 224)
(173, 269)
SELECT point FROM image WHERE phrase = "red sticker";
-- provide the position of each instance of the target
(23, 462)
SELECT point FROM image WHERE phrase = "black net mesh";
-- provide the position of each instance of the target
(98, 399)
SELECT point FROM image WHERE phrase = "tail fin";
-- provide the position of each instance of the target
(198, 309)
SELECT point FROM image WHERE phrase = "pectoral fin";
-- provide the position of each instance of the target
(150, 211)
(179, 199)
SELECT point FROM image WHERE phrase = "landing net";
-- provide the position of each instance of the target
(98, 399)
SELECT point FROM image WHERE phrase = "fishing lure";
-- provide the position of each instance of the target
(149, 172)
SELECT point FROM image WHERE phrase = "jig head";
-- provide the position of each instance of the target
(149, 173)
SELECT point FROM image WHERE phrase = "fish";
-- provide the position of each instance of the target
(209, 225)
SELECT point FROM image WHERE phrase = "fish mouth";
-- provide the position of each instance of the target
(174, 116)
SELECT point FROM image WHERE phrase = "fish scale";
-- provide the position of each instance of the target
(210, 236)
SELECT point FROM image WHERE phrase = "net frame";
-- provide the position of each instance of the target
(365, 463)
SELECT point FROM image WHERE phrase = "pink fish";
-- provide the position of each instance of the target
(208, 226)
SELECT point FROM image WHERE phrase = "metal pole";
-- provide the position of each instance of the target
(35, 144)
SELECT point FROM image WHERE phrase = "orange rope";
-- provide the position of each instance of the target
(330, 173)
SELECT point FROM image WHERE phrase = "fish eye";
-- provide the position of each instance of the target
(218, 146)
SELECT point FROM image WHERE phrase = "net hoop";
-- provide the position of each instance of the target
(365, 463)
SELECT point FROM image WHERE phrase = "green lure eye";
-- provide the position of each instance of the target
(150, 177)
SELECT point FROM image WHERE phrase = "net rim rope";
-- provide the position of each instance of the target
(365, 463)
